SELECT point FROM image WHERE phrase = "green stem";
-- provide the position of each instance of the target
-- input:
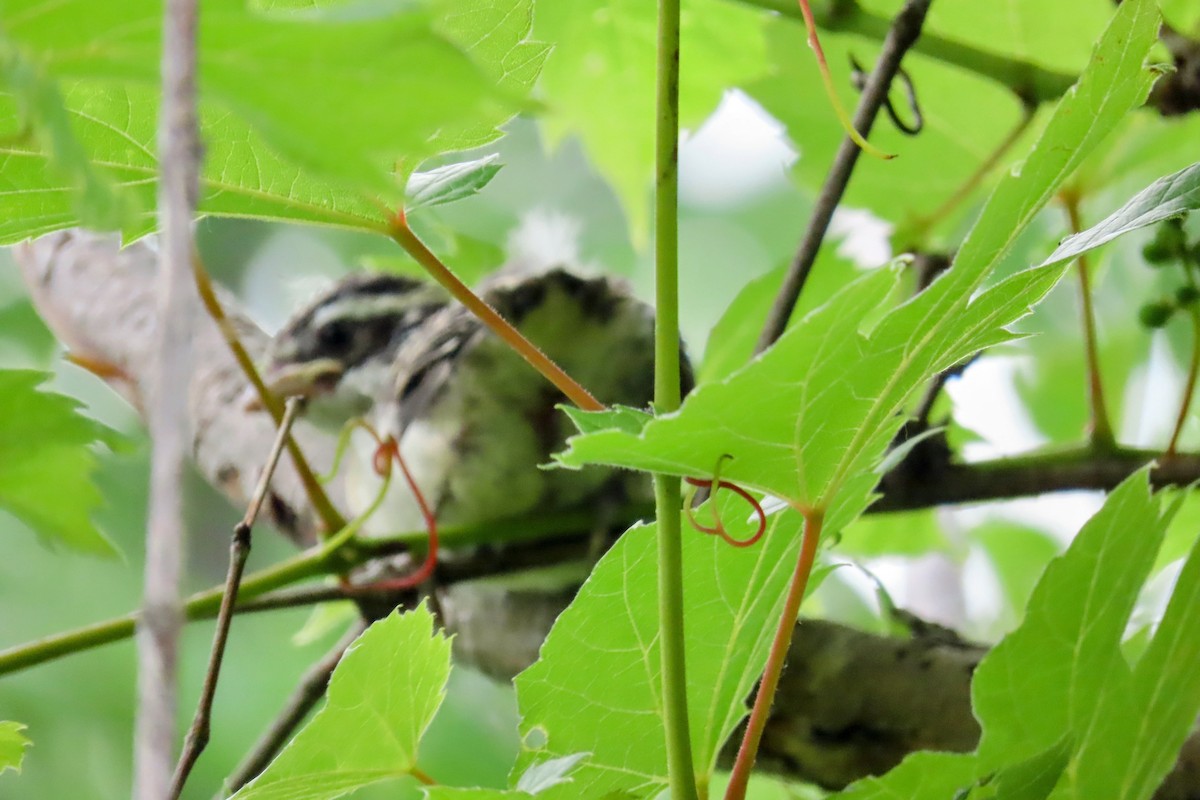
(739, 777)
(199, 606)
(667, 395)
(1029, 82)
(331, 518)
(336, 556)
(1190, 387)
(919, 228)
(406, 238)
(1100, 429)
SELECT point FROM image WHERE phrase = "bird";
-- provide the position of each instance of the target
(473, 421)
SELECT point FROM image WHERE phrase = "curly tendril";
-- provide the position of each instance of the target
(718, 527)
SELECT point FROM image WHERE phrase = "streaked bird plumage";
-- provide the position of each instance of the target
(473, 420)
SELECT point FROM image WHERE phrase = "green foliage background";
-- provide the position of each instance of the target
(319, 137)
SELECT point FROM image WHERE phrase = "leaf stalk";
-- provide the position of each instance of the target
(739, 778)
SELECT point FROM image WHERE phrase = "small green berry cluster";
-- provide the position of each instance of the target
(1170, 246)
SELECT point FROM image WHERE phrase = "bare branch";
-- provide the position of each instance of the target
(162, 618)
(239, 551)
(307, 694)
(905, 30)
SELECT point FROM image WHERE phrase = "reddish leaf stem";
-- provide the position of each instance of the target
(739, 778)
(1100, 429)
(406, 238)
(1190, 387)
(827, 79)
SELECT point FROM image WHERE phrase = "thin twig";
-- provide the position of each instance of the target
(1189, 388)
(902, 35)
(404, 235)
(239, 551)
(1099, 427)
(331, 518)
(162, 620)
(306, 695)
(1028, 81)
(918, 229)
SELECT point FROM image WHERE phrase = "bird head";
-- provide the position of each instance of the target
(338, 350)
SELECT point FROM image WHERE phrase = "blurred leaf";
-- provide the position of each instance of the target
(381, 699)
(12, 746)
(1054, 35)
(909, 533)
(1045, 678)
(732, 340)
(451, 182)
(1167, 197)
(496, 34)
(1183, 15)
(315, 140)
(47, 462)
(1018, 555)
(597, 686)
(43, 120)
(599, 83)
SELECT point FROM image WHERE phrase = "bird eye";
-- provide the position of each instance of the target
(334, 336)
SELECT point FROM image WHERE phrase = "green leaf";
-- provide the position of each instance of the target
(810, 418)
(924, 774)
(910, 533)
(599, 84)
(1138, 732)
(381, 699)
(597, 686)
(47, 461)
(315, 140)
(43, 119)
(1167, 197)
(1046, 678)
(496, 34)
(12, 746)
(451, 182)
(1063, 714)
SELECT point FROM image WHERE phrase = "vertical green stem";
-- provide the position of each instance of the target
(667, 491)
(1100, 428)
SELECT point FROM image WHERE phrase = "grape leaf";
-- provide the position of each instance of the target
(811, 417)
(43, 120)
(315, 140)
(1044, 678)
(1063, 714)
(47, 461)
(12, 746)
(381, 699)
(1167, 197)
(597, 686)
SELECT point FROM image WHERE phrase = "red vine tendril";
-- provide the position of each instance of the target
(718, 527)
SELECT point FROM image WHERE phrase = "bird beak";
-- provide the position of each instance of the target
(310, 379)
